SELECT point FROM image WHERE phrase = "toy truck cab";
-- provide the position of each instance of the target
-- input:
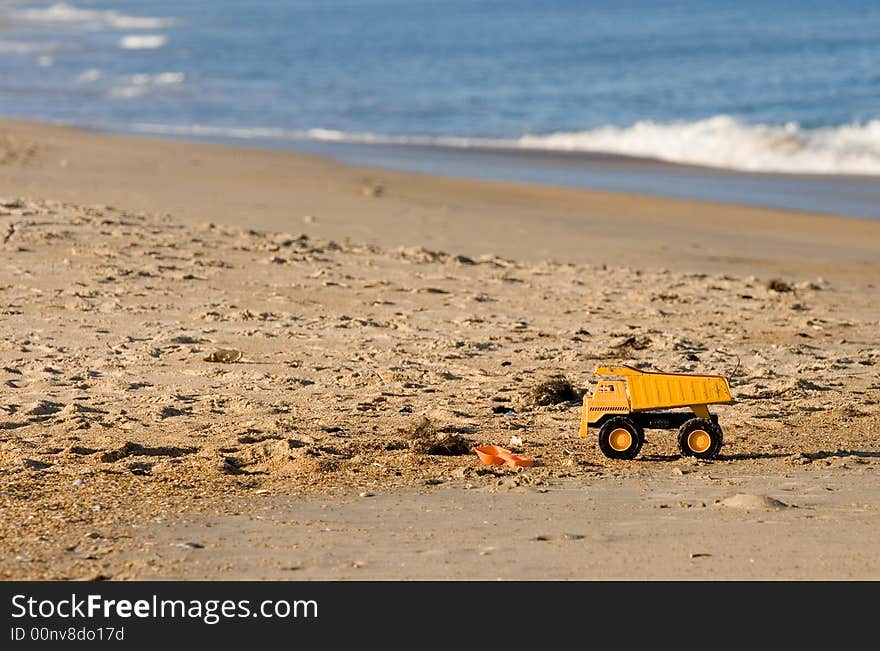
(611, 393)
(623, 409)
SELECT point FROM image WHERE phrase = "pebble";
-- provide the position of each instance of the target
(366, 494)
(508, 482)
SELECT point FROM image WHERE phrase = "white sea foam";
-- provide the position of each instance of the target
(142, 42)
(91, 18)
(138, 85)
(169, 78)
(92, 74)
(160, 79)
(719, 142)
(726, 143)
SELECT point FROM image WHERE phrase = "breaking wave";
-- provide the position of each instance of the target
(720, 142)
(726, 143)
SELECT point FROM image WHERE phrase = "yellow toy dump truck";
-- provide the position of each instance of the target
(623, 409)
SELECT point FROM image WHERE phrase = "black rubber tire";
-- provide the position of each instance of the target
(621, 422)
(716, 438)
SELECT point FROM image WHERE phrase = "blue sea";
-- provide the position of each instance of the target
(763, 88)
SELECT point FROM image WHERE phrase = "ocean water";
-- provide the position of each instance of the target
(759, 86)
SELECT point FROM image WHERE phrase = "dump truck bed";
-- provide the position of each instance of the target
(651, 390)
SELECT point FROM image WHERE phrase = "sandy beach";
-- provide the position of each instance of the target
(221, 362)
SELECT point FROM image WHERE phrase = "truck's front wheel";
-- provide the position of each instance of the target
(701, 438)
(620, 438)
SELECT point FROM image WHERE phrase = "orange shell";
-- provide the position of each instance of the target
(492, 455)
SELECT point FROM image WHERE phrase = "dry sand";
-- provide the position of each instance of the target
(361, 306)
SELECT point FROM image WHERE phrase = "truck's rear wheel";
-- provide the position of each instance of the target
(701, 438)
(620, 438)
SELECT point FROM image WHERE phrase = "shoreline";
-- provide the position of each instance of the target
(842, 195)
(285, 190)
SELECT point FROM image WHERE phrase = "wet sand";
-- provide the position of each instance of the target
(279, 190)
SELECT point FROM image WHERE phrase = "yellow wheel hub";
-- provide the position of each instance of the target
(620, 439)
(699, 440)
